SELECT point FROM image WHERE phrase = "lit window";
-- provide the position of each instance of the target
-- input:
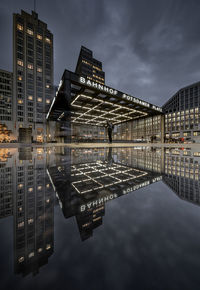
(19, 78)
(30, 66)
(39, 250)
(48, 200)
(47, 40)
(20, 62)
(48, 246)
(39, 100)
(196, 154)
(39, 187)
(20, 27)
(47, 86)
(20, 225)
(30, 189)
(20, 101)
(39, 69)
(47, 101)
(21, 259)
(39, 36)
(30, 32)
(30, 221)
(30, 98)
(31, 255)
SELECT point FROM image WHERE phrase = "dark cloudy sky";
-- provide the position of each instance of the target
(149, 48)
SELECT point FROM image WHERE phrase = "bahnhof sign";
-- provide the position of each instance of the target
(82, 102)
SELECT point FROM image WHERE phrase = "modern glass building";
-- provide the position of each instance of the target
(182, 115)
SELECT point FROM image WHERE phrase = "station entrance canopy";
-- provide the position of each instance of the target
(87, 102)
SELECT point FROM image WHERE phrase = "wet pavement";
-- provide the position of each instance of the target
(100, 218)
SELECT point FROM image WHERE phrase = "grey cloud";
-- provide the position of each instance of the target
(149, 49)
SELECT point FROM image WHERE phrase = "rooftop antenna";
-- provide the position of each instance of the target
(34, 5)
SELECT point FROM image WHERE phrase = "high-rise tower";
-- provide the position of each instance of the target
(90, 67)
(32, 75)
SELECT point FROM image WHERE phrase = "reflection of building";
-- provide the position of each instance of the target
(84, 187)
(182, 174)
(33, 214)
(6, 106)
(27, 194)
(182, 117)
(32, 75)
(6, 182)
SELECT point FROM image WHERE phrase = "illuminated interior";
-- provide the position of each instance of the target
(96, 111)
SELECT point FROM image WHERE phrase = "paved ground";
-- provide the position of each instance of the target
(100, 145)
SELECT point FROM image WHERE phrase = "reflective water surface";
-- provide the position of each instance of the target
(126, 218)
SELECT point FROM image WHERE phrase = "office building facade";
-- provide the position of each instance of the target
(6, 106)
(32, 76)
(182, 115)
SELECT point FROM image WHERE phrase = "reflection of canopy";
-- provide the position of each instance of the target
(90, 182)
(84, 188)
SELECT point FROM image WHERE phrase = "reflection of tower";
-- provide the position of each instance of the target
(6, 182)
(87, 181)
(33, 213)
(89, 220)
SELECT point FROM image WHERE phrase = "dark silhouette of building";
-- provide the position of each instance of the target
(89, 67)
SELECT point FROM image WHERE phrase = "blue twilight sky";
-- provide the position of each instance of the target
(149, 48)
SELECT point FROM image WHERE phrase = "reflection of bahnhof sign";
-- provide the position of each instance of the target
(88, 102)
(84, 189)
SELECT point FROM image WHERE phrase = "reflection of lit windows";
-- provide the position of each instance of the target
(30, 221)
(30, 98)
(48, 200)
(30, 189)
(20, 209)
(20, 185)
(39, 187)
(47, 186)
(20, 225)
(20, 101)
(47, 86)
(196, 154)
(20, 62)
(20, 27)
(39, 69)
(31, 255)
(21, 259)
(39, 100)
(29, 31)
(85, 225)
(96, 219)
(48, 246)
(39, 250)
(20, 78)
